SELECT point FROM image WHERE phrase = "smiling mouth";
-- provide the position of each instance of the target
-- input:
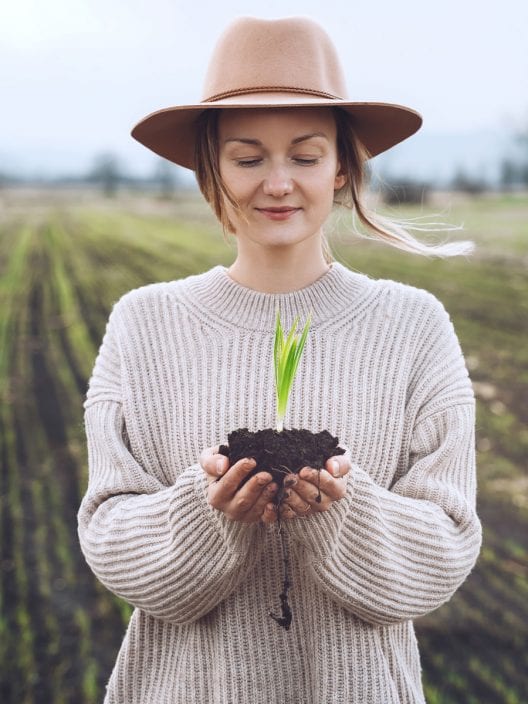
(278, 213)
(281, 209)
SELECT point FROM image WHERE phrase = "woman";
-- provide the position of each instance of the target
(184, 362)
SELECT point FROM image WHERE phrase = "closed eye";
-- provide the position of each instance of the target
(301, 161)
(306, 162)
(247, 162)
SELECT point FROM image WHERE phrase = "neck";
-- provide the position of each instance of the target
(276, 271)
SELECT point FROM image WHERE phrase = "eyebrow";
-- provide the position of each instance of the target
(258, 143)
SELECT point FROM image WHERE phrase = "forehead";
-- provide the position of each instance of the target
(264, 121)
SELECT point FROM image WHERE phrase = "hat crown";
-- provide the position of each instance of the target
(283, 63)
(293, 54)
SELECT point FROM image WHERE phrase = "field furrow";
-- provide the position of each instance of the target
(61, 270)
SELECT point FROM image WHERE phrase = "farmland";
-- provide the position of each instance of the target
(64, 260)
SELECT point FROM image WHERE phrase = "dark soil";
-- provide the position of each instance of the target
(281, 454)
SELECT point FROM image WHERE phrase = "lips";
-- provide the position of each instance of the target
(281, 209)
(282, 212)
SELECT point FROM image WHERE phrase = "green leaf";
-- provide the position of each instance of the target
(286, 356)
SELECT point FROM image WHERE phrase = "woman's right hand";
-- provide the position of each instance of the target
(249, 504)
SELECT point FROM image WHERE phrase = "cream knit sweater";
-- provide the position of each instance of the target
(181, 364)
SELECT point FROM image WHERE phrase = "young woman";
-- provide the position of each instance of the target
(164, 523)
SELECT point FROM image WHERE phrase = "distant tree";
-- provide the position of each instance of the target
(522, 141)
(465, 183)
(166, 178)
(514, 165)
(397, 191)
(8, 179)
(107, 173)
(523, 175)
(509, 174)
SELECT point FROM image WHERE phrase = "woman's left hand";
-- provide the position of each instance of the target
(303, 489)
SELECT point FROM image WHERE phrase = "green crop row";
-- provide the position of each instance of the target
(62, 269)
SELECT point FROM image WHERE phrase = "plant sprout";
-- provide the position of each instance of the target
(286, 356)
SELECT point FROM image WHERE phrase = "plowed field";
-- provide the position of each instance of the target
(63, 263)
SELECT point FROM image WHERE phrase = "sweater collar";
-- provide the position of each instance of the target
(337, 291)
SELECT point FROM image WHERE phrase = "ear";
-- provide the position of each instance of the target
(340, 178)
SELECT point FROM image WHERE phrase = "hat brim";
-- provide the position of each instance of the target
(170, 132)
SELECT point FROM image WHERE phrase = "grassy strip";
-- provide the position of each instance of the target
(18, 656)
(13, 288)
(88, 258)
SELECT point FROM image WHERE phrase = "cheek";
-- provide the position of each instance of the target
(322, 187)
(238, 184)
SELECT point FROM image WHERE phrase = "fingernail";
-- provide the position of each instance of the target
(249, 462)
(335, 468)
(220, 467)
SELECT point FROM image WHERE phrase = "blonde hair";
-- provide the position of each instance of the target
(353, 157)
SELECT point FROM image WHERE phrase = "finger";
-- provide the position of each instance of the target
(308, 498)
(224, 490)
(339, 465)
(296, 503)
(263, 500)
(321, 480)
(334, 488)
(269, 514)
(242, 505)
(213, 463)
(290, 480)
(286, 512)
(307, 487)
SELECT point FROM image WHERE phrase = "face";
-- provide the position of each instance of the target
(281, 166)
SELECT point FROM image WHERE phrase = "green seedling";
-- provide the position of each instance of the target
(286, 355)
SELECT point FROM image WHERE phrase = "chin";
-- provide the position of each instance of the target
(280, 239)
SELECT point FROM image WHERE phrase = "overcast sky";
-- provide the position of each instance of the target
(75, 75)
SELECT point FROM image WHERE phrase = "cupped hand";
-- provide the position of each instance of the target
(304, 489)
(249, 504)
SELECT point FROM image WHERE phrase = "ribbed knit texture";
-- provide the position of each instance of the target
(185, 362)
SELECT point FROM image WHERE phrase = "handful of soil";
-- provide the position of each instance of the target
(281, 454)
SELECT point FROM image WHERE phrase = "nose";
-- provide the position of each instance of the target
(278, 182)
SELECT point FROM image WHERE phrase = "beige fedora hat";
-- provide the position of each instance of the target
(260, 63)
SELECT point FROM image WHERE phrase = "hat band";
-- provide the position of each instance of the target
(271, 89)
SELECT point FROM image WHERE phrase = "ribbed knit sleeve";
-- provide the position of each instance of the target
(162, 548)
(389, 554)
